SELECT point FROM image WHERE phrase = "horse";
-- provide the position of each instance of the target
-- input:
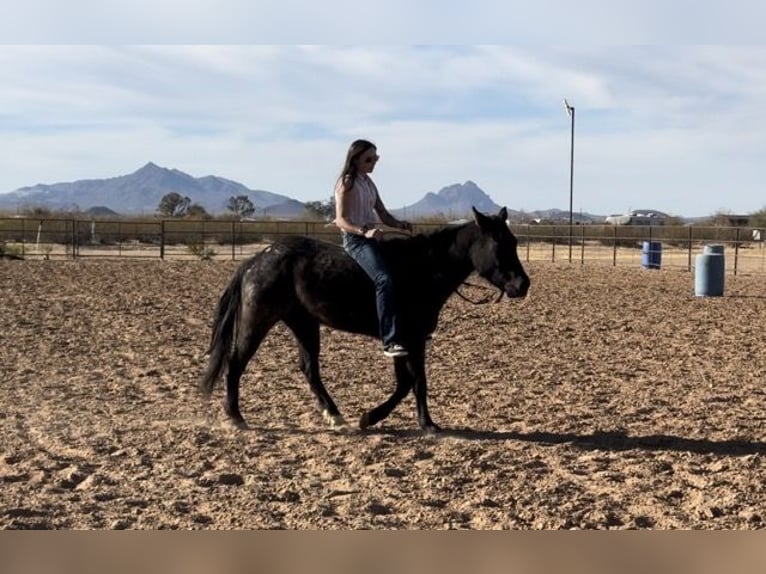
(305, 282)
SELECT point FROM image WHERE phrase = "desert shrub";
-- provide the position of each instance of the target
(10, 251)
(201, 250)
(758, 219)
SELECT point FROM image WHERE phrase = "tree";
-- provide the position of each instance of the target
(37, 211)
(321, 209)
(241, 205)
(173, 205)
(196, 211)
(758, 219)
(673, 220)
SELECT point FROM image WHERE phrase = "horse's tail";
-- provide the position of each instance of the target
(224, 331)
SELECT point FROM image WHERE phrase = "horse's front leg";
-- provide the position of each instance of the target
(403, 386)
(416, 364)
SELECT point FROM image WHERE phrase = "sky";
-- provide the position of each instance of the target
(669, 107)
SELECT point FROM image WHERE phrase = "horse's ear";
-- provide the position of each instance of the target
(481, 220)
(503, 215)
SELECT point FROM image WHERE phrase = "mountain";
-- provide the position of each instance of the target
(101, 211)
(562, 216)
(290, 209)
(139, 192)
(453, 202)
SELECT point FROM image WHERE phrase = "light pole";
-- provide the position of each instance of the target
(571, 114)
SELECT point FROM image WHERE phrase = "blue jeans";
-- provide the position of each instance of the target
(367, 254)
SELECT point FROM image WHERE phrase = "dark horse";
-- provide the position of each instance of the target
(305, 283)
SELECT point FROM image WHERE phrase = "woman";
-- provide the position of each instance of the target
(356, 203)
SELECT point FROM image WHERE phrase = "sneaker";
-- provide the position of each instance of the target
(394, 350)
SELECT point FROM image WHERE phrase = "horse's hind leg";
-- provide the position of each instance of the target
(403, 386)
(247, 342)
(306, 331)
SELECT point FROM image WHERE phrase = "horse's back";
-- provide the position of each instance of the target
(298, 274)
(311, 259)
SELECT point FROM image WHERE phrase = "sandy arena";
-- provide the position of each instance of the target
(610, 398)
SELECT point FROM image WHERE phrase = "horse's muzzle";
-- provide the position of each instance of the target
(517, 287)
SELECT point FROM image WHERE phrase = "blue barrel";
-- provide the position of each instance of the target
(651, 254)
(709, 271)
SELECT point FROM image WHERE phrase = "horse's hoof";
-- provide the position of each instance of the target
(335, 421)
(364, 421)
(239, 424)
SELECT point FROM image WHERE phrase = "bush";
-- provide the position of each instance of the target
(202, 251)
(758, 219)
(9, 251)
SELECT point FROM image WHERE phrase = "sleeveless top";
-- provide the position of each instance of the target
(362, 205)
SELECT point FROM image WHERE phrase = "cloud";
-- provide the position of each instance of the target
(672, 128)
(560, 22)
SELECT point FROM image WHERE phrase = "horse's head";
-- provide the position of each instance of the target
(494, 254)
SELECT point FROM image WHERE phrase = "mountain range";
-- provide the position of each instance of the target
(141, 191)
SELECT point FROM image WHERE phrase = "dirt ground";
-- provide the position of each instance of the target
(609, 398)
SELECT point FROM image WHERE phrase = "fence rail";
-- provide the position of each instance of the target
(228, 239)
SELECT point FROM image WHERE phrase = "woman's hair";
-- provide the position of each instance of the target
(350, 169)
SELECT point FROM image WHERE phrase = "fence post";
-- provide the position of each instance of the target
(553, 246)
(736, 250)
(614, 247)
(233, 240)
(162, 239)
(691, 233)
(74, 239)
(529, 241)
(582, 244)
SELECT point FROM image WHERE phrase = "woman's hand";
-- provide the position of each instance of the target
(373, 233)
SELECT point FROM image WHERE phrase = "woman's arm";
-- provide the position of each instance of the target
(386, 217)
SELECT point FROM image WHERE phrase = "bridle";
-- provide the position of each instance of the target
(483, 301)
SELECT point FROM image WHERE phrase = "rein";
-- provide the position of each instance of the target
(481, 301)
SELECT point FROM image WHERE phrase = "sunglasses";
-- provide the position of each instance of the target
(372, 159)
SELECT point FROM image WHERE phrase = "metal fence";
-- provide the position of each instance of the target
(35, 238)
(156, 238)
(668, 246)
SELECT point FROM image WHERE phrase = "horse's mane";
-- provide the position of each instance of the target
(427, 244)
